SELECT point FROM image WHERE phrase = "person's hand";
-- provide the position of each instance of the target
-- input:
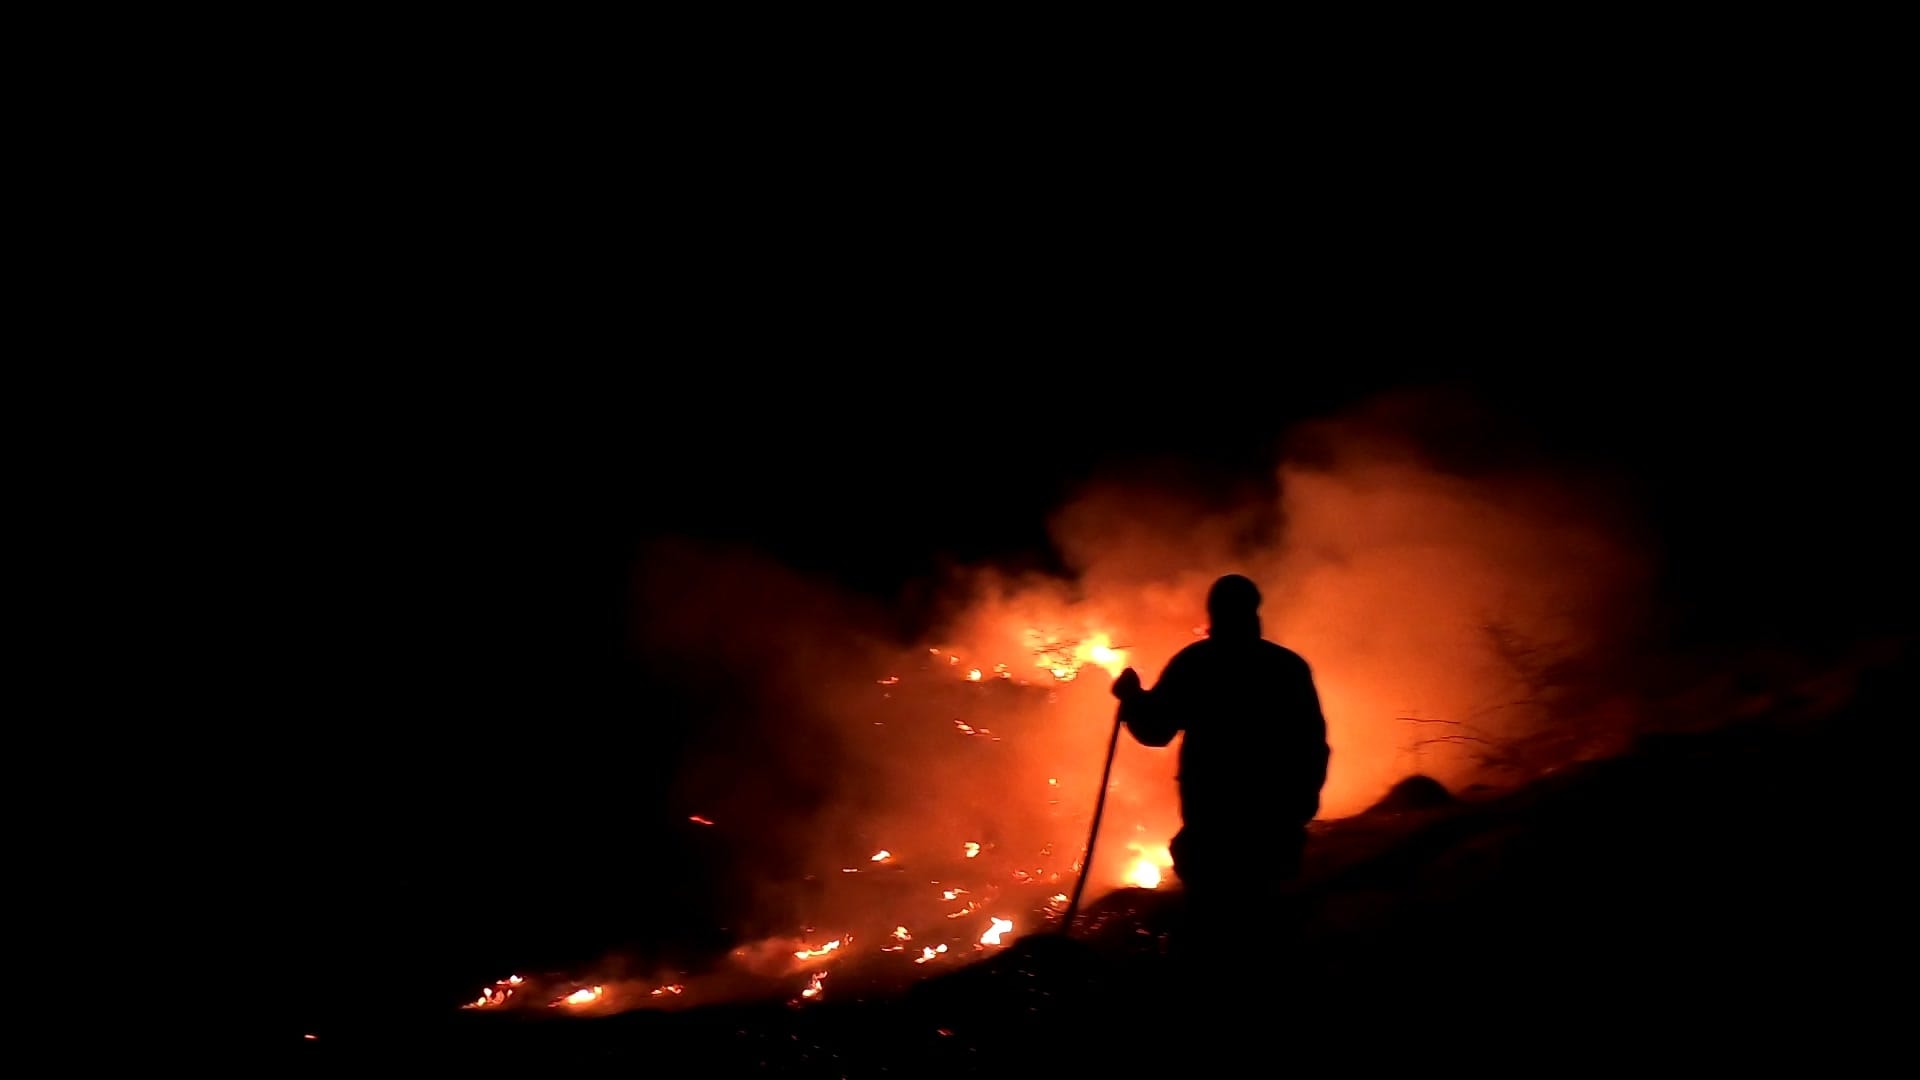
(1127, 685)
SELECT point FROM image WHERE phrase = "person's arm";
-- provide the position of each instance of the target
(1154, 716)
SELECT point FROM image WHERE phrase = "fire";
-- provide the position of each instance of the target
(671, 988)
(495, 995)
(951, 894)
(698, 820)
(1064, 657)
(900, 934)
(814, 986)
(973, 849)
(881, 856)
(929, 953)
(809, 954)
(973, 675)
(586, 995)
(1147, 869)
(992, 936)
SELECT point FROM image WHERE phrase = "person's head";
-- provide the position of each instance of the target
(1233, 608)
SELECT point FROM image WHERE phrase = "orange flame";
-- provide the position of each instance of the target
(1145, 872)
(809, 954)
(992, 936)
(929, 953)
(813, 985)
(495, 995)
(973, 849)
(900, 933)
(881, 856)
(586, 995)
(1063, 658)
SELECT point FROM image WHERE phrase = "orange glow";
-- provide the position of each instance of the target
(809, 954)
(929, 953)
(586, 995)
(900, 934)
(992, 936)
(881, 856)
(814, 986)
(973, 675)
(973, 849)
(952, 894)
(671, 988)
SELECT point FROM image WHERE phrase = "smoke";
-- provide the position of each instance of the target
(1463, 619)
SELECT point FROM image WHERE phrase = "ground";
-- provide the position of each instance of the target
(1723, 897)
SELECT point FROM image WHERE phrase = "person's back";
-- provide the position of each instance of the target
(1255, 753)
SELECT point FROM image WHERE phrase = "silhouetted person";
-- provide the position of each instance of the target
(1255, 754)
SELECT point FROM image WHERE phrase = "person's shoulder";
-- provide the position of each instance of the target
(1195, 651)
(1279, 654)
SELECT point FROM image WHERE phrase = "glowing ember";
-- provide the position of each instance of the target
(808, 954)
(972, 849)
(973, 675)
(698, 820)
(900, 934)
(929, 953)
(813, 985)
(586, 995)
(1058, 898)
(881, 856)
(951, 894)
(671, 988)
(310, 1037)
(992, 936)
(891, 680)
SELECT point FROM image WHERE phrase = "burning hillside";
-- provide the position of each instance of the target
(988, 852)
(901, 811)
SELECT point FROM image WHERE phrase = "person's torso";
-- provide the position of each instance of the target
(1254, 736)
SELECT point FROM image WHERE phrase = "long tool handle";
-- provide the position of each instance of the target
(1099, 808)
